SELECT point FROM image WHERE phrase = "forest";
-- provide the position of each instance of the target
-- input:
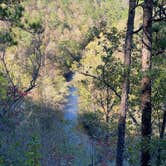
(82, 82)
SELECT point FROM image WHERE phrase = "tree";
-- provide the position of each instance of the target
(159, 77)
(10, 16)
(146, 82)
(125, 84)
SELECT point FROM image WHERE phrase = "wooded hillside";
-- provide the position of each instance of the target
(82, 82)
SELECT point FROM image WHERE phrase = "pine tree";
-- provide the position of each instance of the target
(146, 82)
(125, 84)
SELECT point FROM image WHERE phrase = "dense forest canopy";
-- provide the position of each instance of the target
(82, 82)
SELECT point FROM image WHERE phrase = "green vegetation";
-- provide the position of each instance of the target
(47, 48)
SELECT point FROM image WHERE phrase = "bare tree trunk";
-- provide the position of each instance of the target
(125, 85)
(146, 82)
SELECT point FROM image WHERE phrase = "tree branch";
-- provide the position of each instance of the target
(20, 94)
(133, 118)
(138, 30)
(6, 68)
(107, 84)
(160, 52)
(161, 13)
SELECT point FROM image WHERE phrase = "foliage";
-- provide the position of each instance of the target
(11, 11)
(3, 85)
(95, 125)
(98, 74)
(45, 40)
(33, 154)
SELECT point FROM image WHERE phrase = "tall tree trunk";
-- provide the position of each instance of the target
(125, 85)
(146, 82)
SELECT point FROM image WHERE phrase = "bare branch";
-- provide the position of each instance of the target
(133, 118)
(159, 15)
(159, 52)
(6, 68)
(138, 30)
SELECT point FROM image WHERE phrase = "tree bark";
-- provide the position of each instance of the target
(125, 85)
(146, 82)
